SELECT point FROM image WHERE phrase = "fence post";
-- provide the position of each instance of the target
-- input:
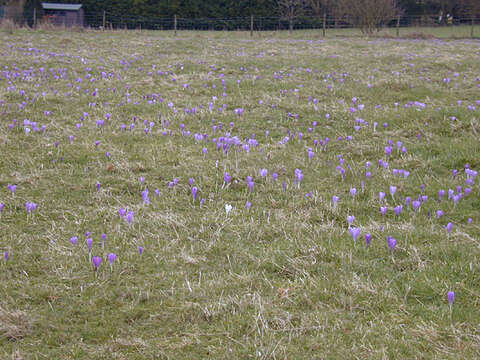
(34, 18)
(103, 22)
(175, 25)
(398, 25)
(251, 25)
(324, 23)
(473, 25)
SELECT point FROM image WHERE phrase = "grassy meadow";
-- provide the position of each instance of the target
(213, 196)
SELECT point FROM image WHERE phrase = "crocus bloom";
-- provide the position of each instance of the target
(30, 206)
(97, 260)
(355, 232)
(129, 217)
(383, 210)
(5, 255)
(74, 240)
(299, 176)
(449, 227)
(350, 219)
(381, 195)
(140, 250)
(439, 214)
(248, 204)
(194, 192)
(353, 191)
(12, 188)
(263, 172)
(227, 178)
(416, 205)
(392, 243)
(2, 206)
(335, 199)
(368, 239)
(451, 297)
(90, 243)
(122, 212)
(112, 257)
(145, 197)
(398, 209)
(393, 190)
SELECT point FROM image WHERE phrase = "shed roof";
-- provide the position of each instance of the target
(56, 6)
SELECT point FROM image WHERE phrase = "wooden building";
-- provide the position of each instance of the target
(63, 14)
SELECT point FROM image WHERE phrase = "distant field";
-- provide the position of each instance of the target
(270, 198)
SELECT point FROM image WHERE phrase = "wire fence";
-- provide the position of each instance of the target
(107, 21)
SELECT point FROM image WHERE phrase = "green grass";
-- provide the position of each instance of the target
(282, 279)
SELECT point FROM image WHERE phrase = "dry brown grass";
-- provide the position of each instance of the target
(14, 325)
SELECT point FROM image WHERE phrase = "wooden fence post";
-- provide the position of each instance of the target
(398, 25)
(473, 25)
(324, 23)
(34, 18)
(251, 25)
(103, 22)
(175, 25)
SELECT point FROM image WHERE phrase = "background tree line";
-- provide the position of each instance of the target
(362, 13)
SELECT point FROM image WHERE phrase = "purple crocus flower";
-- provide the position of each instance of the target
(299, 176)
(368, 239)
(441, 193)
(451, 297)
(335, 199)
(353, 192)
(398, 210)
(129, 217)
(140, 250)
(111, 258)
(97, 260)
(145, 197)
(248, 204)
(122, 212)
(439, 214)
(383, 210)
(350, 219)
(2, 206)
(449, 227)
(227, 178)
(354, 232)
(381, 195)
(89, 244)
(30, 206)
(263, 172)
(393, 190)
(194, 192)
(392, 243)
(12, 188)
(6, 255)
(416, 205)
(74, 240)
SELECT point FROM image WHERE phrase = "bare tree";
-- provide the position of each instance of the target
(368, 15)
(291, 10)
